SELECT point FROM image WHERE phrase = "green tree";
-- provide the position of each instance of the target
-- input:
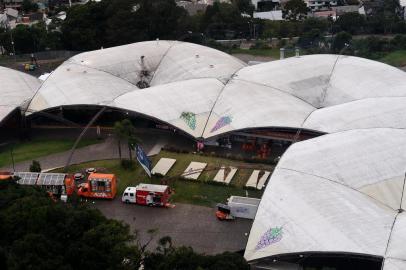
(35, 166)
(168, 257)
(340, 41)
(398, 42)
(351, 22)
(295, 10)
(5, 40)
(125, 131)
(134, 21)
(111, 23)
(385, 18)
(30, 39)
(28, 5)
(38, 233)
(281, 29)
(390, 14)
(312, 32)
(85, 26)
(244, 6)
(310, 24)
(223, 20)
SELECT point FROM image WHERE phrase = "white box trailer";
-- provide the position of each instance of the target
(243, 207)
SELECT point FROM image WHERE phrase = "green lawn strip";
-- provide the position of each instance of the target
(38, 148)
(197, 192)
(395, 58)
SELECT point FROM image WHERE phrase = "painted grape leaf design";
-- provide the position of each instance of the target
(223, 121)
(271, 236)
(189, 118)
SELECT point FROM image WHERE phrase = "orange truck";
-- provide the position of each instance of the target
(99, 185)
(6, 175)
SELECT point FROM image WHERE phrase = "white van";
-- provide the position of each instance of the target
(243, 207)
(129, 195)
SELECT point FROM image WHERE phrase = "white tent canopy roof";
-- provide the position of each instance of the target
(326, 93)
(16, 88)
(336, 193)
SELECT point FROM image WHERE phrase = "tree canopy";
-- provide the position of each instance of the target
(28, 6)
(352, 23)
(125, 131)
(38, 233)
(295, 10)
(167, 257)
(110, 23)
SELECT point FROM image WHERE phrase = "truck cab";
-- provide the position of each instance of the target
(129, 195)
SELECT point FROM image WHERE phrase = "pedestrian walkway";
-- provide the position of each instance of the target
(105, 150)
(108, 149)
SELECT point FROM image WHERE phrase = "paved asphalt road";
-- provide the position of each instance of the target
(187, 225)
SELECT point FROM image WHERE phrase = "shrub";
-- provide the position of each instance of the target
(158, 175)
(127, 164)
(35, 166)
(215, 183)
(250, 188)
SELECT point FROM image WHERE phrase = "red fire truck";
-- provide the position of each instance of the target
(99, 185)
(147, 194)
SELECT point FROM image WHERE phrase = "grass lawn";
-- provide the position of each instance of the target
(198, 192)
(38, 148)
(395, 58)
(213, 163)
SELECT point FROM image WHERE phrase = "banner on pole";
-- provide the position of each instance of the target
(143, 159)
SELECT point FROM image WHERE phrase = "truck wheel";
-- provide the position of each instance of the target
(127, 201)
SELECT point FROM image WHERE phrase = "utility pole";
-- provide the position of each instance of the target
(12, 158)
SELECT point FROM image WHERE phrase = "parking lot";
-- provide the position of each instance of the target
(187, 225)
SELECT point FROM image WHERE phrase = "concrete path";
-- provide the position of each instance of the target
(151, 143)
(106, 150)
